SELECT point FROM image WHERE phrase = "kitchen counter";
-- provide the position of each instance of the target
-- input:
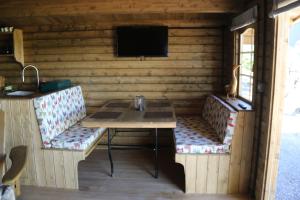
(32, 96)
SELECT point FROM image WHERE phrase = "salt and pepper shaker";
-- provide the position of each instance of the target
(139, 103)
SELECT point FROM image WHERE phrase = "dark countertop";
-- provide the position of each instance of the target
(32, 96)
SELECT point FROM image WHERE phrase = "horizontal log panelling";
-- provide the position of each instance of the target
(110, 57)
(109, 50)
(109, 33)
(216, 40)
(58, 72)
(130, 80)
(192, 70)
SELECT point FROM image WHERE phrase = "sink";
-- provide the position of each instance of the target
(20, 93)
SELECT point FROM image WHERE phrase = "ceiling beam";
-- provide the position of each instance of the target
(43, 8)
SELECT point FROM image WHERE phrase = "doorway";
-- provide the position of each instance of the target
(288, 180)
(283, 24)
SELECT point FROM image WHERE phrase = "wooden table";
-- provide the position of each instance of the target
(121, 114)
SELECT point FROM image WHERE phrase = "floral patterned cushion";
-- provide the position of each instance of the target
(77, 138)
(221, 117)
(56, 112)
(194, 135)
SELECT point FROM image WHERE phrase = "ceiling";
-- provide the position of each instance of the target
(21, 13)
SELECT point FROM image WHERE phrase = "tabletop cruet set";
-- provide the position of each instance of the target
(139, 103)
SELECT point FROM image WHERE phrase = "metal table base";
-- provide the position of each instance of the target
(109, 139)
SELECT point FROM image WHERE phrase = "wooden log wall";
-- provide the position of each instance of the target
(192, 70)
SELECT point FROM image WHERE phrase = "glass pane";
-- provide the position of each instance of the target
(246, 64)
(247, 40)
(246, 61)
(245, 87)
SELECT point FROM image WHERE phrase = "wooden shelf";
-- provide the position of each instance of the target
(6, 33)
(235, 104)
(6, 55)
(17, 42)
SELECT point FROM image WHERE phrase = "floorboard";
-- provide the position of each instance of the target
(133, 179)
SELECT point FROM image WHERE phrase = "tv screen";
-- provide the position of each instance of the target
(134, 41)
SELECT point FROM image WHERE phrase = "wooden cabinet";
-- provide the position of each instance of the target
(11, 45)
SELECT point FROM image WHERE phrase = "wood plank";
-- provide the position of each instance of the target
(236, 153)
(107, 33)
(223, 174)
(68, 169)
(50, 172)
(109, 49)
(148, 87)
(247, 152)
(128, 80)
(117, 65)
(190, 173)
(59, 169)
(67, 8)
(110, 57)
(212, 173)
(202, 173)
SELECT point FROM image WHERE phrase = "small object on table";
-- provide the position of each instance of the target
(243, 106)
(139, 103)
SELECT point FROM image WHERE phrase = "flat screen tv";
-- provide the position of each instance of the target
(136, 41)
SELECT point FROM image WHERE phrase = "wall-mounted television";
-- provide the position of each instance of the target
(137, 41)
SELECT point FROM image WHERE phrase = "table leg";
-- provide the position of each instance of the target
(109, 153)
(156, 155)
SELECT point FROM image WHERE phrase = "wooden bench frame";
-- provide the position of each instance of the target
(46, 167)
(228, 173)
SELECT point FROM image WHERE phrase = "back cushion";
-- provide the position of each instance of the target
(58, 111)
(221, 117)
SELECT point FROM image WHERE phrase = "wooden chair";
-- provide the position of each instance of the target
(18, 156)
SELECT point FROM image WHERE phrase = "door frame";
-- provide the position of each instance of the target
(281, 35)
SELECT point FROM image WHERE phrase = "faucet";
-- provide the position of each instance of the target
(37, 74)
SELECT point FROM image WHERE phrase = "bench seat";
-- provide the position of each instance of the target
(77, 137)
(194, 135)
(211, 132)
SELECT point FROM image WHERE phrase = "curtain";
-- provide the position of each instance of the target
(245, 19)
(281, 6)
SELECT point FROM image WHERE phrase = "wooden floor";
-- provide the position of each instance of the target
(132, 180)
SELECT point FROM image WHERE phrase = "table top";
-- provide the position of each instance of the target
(121, 114)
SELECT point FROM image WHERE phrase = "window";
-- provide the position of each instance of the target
(246, 60)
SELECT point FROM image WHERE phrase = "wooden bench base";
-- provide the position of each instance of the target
(57, 168)
(222, 173)
(206, 173)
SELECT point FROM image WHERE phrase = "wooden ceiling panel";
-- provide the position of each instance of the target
(55, 12)
(17, 8)
(171, 20)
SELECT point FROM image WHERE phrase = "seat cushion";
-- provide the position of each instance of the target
(221, 117)
(58, 111)
(194, 135)
(77, 138)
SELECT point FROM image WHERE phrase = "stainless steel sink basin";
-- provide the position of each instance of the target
(20, 93)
